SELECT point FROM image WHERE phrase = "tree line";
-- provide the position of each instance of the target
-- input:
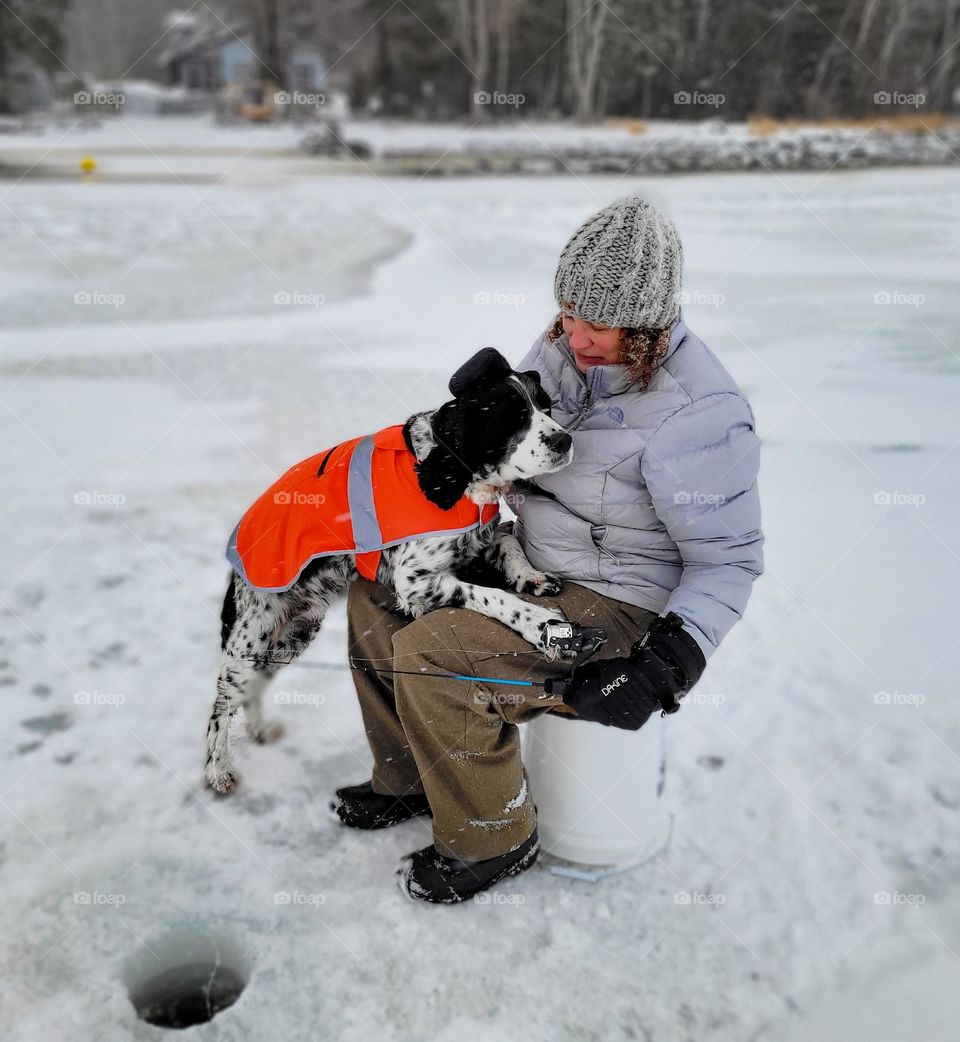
(585, 59)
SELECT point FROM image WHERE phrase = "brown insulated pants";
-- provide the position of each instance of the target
(458, 741)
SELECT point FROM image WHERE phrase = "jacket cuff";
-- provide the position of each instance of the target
(706, 648)
(693, 630)
(667, 637)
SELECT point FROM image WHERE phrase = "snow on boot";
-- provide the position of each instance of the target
(361, 808)
(426, 875)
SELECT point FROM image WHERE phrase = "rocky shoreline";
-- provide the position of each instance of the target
(827, 149)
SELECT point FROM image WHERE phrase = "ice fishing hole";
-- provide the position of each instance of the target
(186, 977)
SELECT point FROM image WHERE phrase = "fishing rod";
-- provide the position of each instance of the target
(583, 641)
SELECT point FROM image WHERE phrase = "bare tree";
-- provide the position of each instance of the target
(474, 33)
(942, 84)
(508, 12)
(586, 22)
(895, 28)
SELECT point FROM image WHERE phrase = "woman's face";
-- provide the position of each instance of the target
(591, 344)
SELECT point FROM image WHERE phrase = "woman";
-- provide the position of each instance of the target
(654, 529)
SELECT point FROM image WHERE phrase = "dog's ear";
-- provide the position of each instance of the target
(486, 364)
(540, 396)
(443, 475)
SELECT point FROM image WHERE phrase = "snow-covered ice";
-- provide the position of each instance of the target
(817, 789)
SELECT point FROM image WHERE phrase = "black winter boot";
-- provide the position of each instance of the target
(426, 875)
(361, 808)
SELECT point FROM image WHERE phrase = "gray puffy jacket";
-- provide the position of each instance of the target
(659, 507)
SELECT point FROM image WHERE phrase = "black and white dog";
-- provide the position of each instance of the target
(496, 430)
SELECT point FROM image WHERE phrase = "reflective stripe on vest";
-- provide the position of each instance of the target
(363, 513)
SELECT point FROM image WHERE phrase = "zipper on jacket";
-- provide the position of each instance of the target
(591, 386)
(597, 539)
(613, 557)
(583, 410)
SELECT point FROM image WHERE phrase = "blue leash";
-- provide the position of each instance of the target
(583, 640)
(355, 664)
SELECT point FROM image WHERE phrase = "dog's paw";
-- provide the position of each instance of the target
(222, 782)
(540, 584)
(268, 732)
(551, 652)
(555, 654)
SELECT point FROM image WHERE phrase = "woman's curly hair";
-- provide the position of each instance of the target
(640, 350)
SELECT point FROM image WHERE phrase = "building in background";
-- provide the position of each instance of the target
(28, 86)
(206, 57)
(31, 36)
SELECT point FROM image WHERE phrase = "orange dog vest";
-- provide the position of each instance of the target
(358, 498)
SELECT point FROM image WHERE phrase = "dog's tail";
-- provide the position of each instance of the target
(228, 615)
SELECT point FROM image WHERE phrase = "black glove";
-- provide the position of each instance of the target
(623, 692)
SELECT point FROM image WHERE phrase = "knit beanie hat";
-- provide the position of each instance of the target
(622, 267)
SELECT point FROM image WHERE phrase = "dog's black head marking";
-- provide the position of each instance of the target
(493, 410)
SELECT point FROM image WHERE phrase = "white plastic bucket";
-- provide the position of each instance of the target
(600, 792)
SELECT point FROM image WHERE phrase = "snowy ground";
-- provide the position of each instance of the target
(818, 802)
